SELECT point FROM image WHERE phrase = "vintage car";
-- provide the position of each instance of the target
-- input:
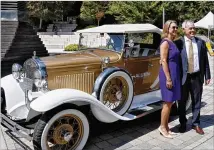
(113, 76)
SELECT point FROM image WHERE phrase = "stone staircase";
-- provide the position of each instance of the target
(62, 27)
(57, 43)
(18, 41)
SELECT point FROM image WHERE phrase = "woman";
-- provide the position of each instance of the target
(169, 75)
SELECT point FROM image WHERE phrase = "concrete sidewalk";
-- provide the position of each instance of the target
(141, 133)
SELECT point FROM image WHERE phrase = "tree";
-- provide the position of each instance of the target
(148, 11)
(45, 10)
(89, 9)
(52, 10)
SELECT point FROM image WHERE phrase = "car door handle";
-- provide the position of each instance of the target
(150, 65)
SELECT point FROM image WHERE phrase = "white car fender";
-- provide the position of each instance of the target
(14, 95)
(58, 97)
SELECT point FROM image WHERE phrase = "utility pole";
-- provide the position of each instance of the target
(163, 16)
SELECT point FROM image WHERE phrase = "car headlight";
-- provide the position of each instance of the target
(39, 79)
(37, 74)
(17, 71)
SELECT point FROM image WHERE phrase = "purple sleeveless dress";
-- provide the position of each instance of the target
(171, 95)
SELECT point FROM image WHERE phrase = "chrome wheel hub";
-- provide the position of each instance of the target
(116, 93)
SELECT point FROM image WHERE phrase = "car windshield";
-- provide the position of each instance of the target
(105, 41)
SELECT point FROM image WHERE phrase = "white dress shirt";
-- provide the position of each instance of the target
(195, 52)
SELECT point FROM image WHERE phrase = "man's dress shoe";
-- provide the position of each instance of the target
(182, 128)
(198, 129)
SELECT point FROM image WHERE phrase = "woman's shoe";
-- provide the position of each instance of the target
(172, 133)
(169, 136)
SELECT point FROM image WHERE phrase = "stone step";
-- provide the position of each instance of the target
(25, 32)
(58, 33)
(5, 48)
(8, 26)
(55, 42)
(8, 32)
(53, 51)
(5, 43)
(62, 30)
(27, 43)
(59, 36)
(7, 36)
(27, 49)
(6, 29)
(9, 23)
(62, 25)
(25, 38)
(6, 39)
(25, 28)
(22, 46)
(54, 46)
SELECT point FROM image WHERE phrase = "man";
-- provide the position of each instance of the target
(195, 67)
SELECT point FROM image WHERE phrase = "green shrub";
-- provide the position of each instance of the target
(71, 47)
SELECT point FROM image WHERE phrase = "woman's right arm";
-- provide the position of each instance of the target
(164, 50)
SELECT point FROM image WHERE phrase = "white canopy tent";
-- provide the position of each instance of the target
(206, 23)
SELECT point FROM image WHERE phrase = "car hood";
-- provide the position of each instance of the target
(85, 57)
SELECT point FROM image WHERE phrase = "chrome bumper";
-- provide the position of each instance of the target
(13, 126)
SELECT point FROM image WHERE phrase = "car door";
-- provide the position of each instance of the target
(138, 69)
(153, 69)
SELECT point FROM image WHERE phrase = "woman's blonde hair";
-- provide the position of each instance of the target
(166, 27)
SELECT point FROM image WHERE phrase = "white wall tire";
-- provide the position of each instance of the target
(120, 97)
(47, 127)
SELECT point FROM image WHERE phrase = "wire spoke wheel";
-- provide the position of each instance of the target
(65, 130)
(65, 133)
(116, 93)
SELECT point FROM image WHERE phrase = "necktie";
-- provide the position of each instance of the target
(191, 58)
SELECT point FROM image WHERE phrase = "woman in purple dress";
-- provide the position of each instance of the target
(169, 75)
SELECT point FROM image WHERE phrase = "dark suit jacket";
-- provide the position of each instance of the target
(203, 59)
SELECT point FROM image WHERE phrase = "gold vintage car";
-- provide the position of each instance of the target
(114, 75)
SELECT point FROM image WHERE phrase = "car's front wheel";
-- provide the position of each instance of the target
(117, 92)
(67, 129)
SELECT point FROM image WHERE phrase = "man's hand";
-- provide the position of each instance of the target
(207, 82)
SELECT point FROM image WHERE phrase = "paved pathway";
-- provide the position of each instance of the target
(141, 133)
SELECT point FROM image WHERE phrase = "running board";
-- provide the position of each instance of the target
(143, 111)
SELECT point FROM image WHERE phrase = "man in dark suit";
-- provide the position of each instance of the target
(195, 67)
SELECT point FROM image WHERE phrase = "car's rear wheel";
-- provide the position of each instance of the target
(117, 92)
(67, 129)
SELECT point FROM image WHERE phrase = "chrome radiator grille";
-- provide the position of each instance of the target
(79, 81)
(26, 85)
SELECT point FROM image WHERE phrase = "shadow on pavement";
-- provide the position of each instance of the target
(17, 140)
(126, 129)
